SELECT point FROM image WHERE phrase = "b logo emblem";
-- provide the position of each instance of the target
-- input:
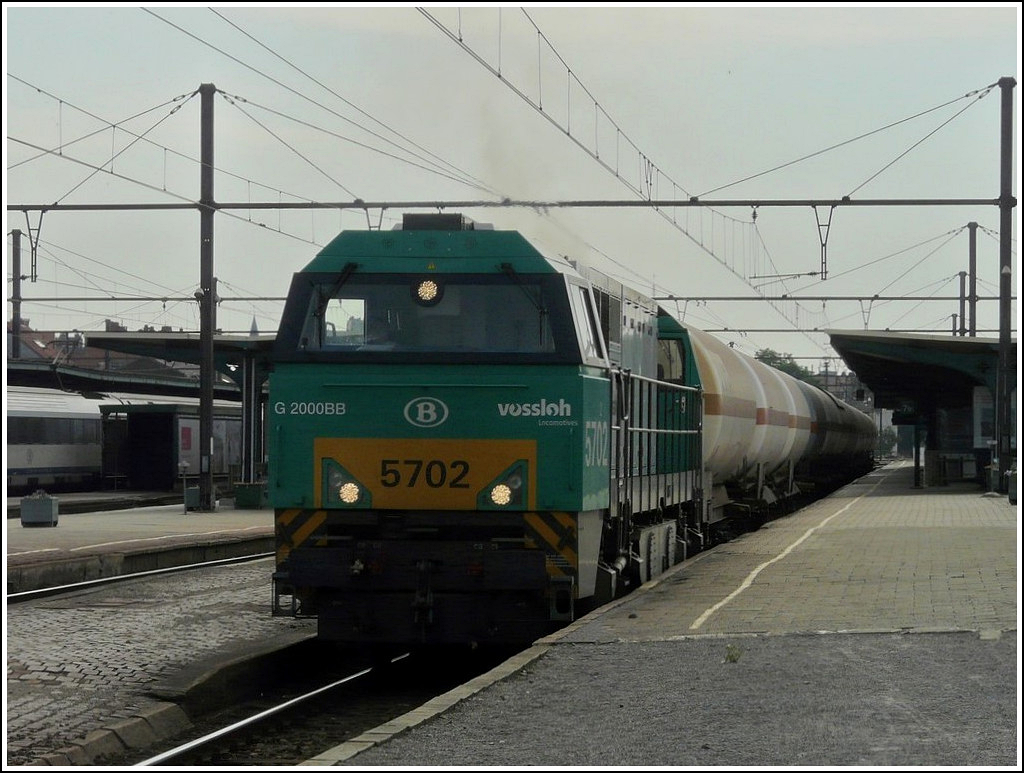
(426, 412)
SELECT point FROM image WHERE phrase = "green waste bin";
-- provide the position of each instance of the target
(250, 496)
(39, 509)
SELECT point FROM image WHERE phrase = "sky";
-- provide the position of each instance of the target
(544, 103)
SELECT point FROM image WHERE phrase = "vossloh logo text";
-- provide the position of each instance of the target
(543, 408)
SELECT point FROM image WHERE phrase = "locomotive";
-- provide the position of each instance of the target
(470, 442)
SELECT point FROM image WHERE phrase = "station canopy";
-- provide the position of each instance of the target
(909, 372)
(229, 350)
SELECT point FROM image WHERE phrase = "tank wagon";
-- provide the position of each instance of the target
(470, 442)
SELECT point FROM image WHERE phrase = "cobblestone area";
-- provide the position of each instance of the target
(80, 664)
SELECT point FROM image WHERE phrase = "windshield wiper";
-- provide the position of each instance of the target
(514, 276)
(325, 297)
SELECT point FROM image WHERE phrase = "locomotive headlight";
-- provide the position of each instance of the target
(501, 494)
(507, 490)
(349, 493)
(427, 292)
(504, 493)
(339, 487)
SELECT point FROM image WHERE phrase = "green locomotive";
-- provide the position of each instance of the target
(470, 442)
(467, 442)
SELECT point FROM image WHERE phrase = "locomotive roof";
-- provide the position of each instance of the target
(463, 251)
(465, 246)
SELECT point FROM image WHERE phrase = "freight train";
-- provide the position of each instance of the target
(469, 442)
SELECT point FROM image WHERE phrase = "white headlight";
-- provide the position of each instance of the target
(349, 493)
(427, 290)
(501, 494)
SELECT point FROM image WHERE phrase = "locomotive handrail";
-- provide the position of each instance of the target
(662, 382)
(659, 445)
(423, 384)
(656, 431)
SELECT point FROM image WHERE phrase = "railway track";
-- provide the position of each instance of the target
(170, 629)
(299, 717)
(56, 590)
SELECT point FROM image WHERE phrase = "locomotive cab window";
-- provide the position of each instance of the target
(473, 316)
(671, 362)
(586, 324)
(344, 321)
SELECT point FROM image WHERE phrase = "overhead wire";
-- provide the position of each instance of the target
(995, 236)
(463, 176)
(106, 299)
(836, 275)
(844, 143)
(53, 256)
(649, 165)
(233, 98)
(96, 169)
(234, 102)
(272, 79)
(116, 155)
(144, 184)
(982, 93)
(179, 197)
(254, 310)
(108, 124)
(646, 162)
(916, 305)
(650, 172)
(466, 179)
(59, 150)
(919, 262)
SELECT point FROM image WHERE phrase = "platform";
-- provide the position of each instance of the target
(99, 501)
(876, 627)
(98, 544)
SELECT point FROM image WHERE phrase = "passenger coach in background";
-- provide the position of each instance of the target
(469, 442)
(54, 441)
(61, 441)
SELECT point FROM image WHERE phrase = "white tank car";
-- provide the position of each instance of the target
(837, 429)
(762, 426)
